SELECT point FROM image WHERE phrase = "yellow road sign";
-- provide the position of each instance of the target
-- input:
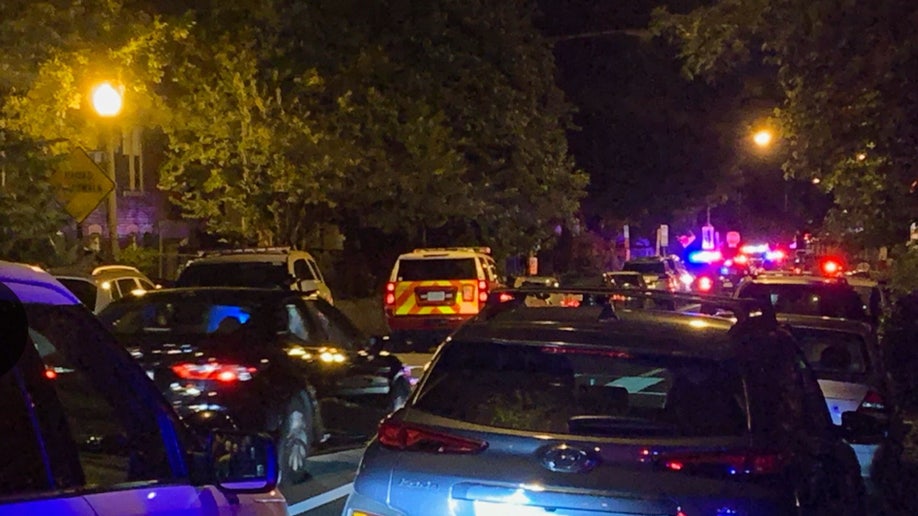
(81, 185)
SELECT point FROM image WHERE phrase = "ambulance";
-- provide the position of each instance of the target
(432, 291)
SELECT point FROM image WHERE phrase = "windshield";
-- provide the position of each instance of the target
(191, 316)
(235, 274)
(84, 290)
(833, 351)
(588, 391)
(809, 299)
(437, 269)
(645, 267)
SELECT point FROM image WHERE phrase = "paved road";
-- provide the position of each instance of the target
(332, 473)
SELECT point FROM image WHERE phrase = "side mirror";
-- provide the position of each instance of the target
(860, 428)
(241, 462)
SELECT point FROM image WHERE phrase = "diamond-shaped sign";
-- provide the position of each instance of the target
(81, 185)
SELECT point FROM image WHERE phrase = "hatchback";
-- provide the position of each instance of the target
(588, 410)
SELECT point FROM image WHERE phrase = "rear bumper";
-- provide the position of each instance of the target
(420, 323)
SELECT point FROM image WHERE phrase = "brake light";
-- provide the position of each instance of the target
(705, 284)
(873, 400)
(398, 435)
(390, 293)
(482, 291)
(50, 373)
(504, 297)
(726, 463)
(214, 371)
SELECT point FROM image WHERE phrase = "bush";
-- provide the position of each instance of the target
(144, 258)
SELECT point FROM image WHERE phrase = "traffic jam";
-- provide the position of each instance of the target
(744, 379)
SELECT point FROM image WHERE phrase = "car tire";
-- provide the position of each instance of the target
(295, 439)
(398, 394)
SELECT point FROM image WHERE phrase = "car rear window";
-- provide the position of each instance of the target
(85, 291)
(583, 391)
(235, 274)
(822, 300)
(180, 316)
(436, 269)
(645, 267)
(833, 351)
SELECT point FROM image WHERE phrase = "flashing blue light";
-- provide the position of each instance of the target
(220, 312)
(704, 256)
(724, 271)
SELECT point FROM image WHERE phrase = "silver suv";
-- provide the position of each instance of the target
(105, 284)
(266, 267)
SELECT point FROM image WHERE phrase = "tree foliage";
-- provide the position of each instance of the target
(849, 75)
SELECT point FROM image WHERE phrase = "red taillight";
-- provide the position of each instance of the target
(398, 435)
(504, 297)
(872, 401)
(831, 267)
(390, 293)
(482, 291)
(50, 374)
(705, 284)
(727, 463)
(213, 371)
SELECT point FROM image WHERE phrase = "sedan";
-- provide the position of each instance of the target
(255, 359)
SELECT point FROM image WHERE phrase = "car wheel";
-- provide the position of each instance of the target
(398, 394)
(295, 440)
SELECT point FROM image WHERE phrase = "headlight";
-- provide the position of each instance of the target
(332, 357)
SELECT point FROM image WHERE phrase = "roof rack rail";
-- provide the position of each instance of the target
(482, 250)
(105, 268)
(244, 250)
(742, 309)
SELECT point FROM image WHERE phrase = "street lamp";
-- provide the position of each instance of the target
(107, 101)
(762, 138)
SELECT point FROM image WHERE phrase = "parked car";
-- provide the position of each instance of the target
(86, 432)
(805, 295)
(659, 273)
(534, 408)
(263, 267)
(589, 410)
(106, 284)
(849, 365)
(259, 360)
(625, 279)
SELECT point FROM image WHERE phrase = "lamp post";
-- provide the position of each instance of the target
(107, 101)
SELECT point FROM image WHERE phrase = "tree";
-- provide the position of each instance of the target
(848, 75)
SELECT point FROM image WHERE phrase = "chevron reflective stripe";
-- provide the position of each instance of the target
(408, 300)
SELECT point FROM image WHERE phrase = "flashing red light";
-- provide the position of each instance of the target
(741, 259)
(831, 267)
(482, 285)
(705, 284)
(50, 374)
(482, 292)
(213, 371)
(402, 436)
(390, 287)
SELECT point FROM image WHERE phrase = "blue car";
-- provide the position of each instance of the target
(591, 409)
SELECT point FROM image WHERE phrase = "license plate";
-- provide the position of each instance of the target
(436, 296)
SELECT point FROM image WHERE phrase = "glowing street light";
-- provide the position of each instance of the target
(763, 138)
(106, 100)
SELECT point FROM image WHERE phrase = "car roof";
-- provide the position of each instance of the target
(639, 332)
(796, 279)
(231, 294)
(33, 285)
(439, 254)
(826, 323)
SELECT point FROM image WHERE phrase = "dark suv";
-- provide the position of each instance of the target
(593, 408)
